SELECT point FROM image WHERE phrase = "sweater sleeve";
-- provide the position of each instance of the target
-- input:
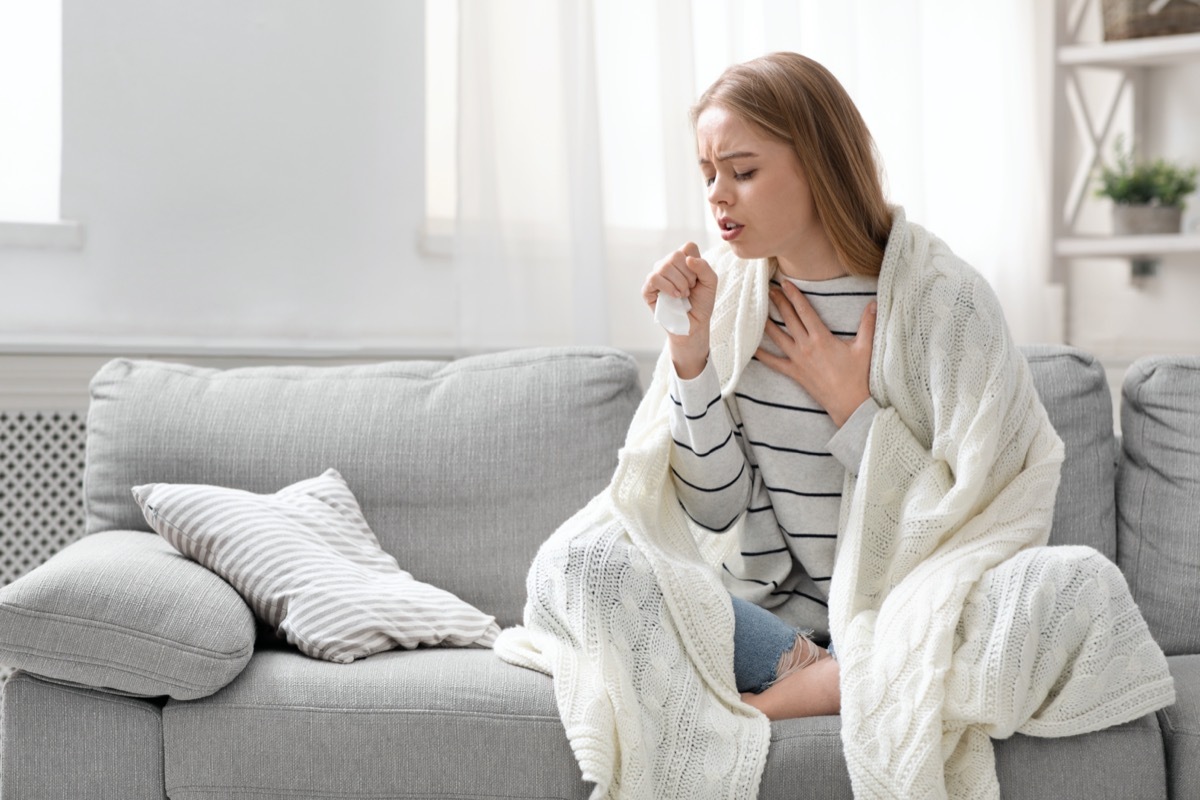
(711, 472)
(850, 442)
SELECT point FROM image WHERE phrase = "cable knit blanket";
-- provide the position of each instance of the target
(953, 623)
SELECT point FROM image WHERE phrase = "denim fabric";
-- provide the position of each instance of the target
(759, 640)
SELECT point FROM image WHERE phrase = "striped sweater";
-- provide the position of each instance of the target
(773, 459)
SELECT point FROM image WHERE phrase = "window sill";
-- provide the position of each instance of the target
(64, 235)
(168, 347)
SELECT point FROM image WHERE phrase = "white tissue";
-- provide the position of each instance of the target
(672, 314)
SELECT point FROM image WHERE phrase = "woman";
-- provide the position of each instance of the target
(847, 416)
(782, 149)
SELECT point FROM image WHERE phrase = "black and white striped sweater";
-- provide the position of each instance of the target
(772, 457)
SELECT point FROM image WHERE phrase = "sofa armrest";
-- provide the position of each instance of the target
(125, 612)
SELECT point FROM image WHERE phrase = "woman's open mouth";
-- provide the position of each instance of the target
(729, 229)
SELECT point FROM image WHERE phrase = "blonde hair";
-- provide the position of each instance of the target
(798, 101)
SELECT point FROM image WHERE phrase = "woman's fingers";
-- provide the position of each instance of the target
(835, 373)
(703, 293)
(703, 272)
(773, 361)
(671, 275)
(805, 313)
(787, 312)
(676, 279)
(678, 275)
(777, 335)
(866, 326)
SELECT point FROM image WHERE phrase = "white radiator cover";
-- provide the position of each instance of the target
(41, 488)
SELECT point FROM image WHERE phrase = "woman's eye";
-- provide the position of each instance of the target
(744, 176)
(708, 181)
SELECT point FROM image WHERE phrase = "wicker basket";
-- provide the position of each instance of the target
(1131, 19)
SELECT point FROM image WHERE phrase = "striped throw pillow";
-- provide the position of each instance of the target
(306, 561)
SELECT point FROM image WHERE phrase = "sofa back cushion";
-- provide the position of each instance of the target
(1158, 496)
(1073, 388)
(461, 468)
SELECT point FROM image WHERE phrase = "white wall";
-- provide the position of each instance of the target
(244, 172)
(251, 176)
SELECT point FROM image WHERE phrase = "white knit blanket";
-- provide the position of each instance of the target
(952, 623)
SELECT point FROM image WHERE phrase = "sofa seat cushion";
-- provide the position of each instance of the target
(1181, 727)
(1125, 761)
(463, 724)
(422, 723)
(125, 612)
(806, 747)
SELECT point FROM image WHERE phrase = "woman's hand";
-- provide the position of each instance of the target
(684, 273)
(834, 372)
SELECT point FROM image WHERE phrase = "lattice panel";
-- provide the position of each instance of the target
(41, 488)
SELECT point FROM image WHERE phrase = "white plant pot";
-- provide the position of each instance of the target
(1146, 219)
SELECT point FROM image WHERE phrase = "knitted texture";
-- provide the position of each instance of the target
(952, 622)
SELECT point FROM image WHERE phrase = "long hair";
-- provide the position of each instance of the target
(798, 101)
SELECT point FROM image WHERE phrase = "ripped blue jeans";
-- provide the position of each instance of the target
(760, 641)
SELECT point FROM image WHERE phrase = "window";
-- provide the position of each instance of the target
(30, 110)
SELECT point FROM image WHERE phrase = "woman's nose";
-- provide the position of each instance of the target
(718, 191)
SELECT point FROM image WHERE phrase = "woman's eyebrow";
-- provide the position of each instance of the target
(728, 156)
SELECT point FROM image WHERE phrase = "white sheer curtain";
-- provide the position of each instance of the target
(576, 163)
(530, 248)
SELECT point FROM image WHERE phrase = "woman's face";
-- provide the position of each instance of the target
(757, 191)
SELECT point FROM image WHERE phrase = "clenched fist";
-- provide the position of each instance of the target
(685, 274)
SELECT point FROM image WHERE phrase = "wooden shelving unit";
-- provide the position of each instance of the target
(1126, 246)
(1155, 51)
(1085, 121)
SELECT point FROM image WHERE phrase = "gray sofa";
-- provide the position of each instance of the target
(143, 675)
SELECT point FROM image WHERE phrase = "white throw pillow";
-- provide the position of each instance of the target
(306, 561)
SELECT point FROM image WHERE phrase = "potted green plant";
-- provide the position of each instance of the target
(1148, 197)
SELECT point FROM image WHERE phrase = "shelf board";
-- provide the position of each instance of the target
(1127, 246)
(1150, 51)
